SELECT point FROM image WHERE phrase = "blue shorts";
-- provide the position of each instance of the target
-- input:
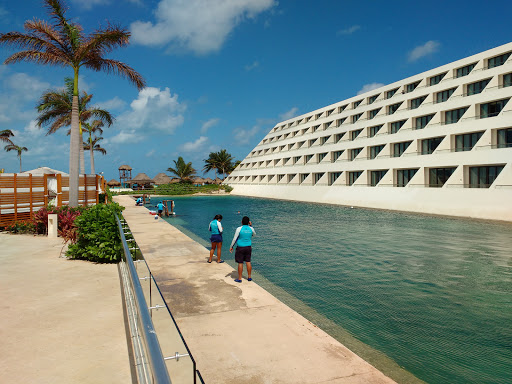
(216, 238)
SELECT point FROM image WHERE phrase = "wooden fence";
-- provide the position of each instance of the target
(23, 194)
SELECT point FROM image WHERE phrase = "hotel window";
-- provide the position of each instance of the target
(300, 144)
(390, 94)
(395, 126)
(270, 178)
(492, 109)
(317, 116)
(437, 79)
(338, 137)
(291, 176)
(442, 96)
(376, 176)
(392, 108)
(411, 87)
(354, 134)
(421, 122)
(373, 113)
(372, 99)
(483, 177)
(315, 128)
(415, 103)
(439, 176)
(290, 146)
(504, 138)
(403, 176)
(303, 177)
(399, 148)
(507, 80)
(354, 152)
(356, 117)
(312, 142)
(335, 155)
(353, 176)
(282, 147)
(375, 150)
(464, 71)
(324, 139)
(317, 177)
(340, 121)
(428, 146)
(262, 177)
(286, 160)
(307, 158)
(498, 60)
(476, 88)
(333, 176)
(373, 130)
(453, 116)
(296, 159)
(329, 113)
(356, 103)
(467, 141)
(342, 108)
(321, 156)
(279, 178)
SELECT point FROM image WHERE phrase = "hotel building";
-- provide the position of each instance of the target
(438, 142)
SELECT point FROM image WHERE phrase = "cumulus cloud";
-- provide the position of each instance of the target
(349, 30)
(252, 66)
(207, 125)
(289, 114)
(26, 86)
(199, 26)
(115, 103)
(124, 137)
(244, 136)
(426, 49)
(369, 87)
(194, 146)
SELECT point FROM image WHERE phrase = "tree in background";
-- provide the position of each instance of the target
(5, 136)
(221, 162)
(63, 43)
(18, 149)
(184, 171)
(55, 111)
(92, 142)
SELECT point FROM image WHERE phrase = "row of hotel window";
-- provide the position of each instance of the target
(478, 177)
(434, 80)
(463, 142)
(453, 116)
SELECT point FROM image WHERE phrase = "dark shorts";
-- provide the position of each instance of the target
(160, 210)
(216, 238)
(243, 254)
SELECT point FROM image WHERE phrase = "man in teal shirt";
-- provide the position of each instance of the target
(242, 238)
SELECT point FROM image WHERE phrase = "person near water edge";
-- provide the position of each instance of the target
(160, 207)
(243, 239)
(216, 229)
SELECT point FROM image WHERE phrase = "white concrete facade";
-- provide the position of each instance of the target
(439, 142)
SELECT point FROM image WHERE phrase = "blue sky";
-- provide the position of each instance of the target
(221, 73)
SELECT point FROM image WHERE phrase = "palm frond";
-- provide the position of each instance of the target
(118, 68)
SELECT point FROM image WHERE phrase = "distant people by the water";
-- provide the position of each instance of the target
(139, 201)
(216, 229)
(160, 208)
(243, 239)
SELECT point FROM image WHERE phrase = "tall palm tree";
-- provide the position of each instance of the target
(63, 43)
(5, 135)
(92, 145)
(184, 171)
(17, 148)
(221, 162)
(55, 110)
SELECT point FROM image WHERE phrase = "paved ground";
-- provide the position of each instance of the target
(61, 321)
(238, 333)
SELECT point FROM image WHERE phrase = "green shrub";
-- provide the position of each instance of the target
(21, 227)
(98, 237)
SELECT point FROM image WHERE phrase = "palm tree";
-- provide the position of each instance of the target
(92, 145)
(17, 148)
(55, 109)
(221, 162)
(184, 171)
(5, 135)
(63, 43)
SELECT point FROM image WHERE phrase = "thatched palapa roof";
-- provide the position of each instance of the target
(125, 167)
(208, 180)
(198, 180)
(218, 181)
(175, 180)
(141, 178)
(114, 183)
(162, 178)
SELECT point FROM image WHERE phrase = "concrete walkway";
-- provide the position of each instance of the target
(238, 333)
(61, 320)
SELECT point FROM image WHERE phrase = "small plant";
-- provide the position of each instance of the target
(21, 227)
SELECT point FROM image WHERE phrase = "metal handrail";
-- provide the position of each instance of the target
(154, 352)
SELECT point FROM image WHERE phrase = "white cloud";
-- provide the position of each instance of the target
(426, 49)
(349, 30)
(369, 87)
(244, 136)
(26, 86)
(150, 153)
(199, 26)
(195, 146)
(154, 111)
(207, 125)
(289, 114)
(252, 66)
(125, 137)
(115, 103)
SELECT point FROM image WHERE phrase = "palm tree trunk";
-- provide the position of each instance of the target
(20, 162)
(92, 160)
(82, 155)
(74, 149)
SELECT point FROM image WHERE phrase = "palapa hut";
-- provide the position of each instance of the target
(218, 181)
(125, 174)
(198, 181)
(175, 180)
(162, 179)
(114, 183)
(208, 180)
(141, 181)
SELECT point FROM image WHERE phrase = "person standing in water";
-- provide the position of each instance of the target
(216, 238)
(242, 238)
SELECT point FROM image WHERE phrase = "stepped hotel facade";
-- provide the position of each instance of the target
(439, 142)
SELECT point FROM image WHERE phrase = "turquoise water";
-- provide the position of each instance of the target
(432, 294)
